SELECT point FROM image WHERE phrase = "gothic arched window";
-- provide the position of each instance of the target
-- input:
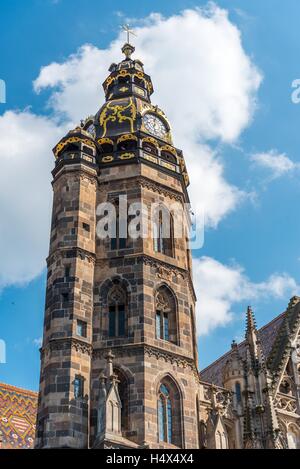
(164, 414)
(169, 413)
(165, 315)
(119, 240)
(78, 387)
(163, 232)
(116, 311)
(238, 393)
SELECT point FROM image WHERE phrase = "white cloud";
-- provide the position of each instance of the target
(25, 194)
(219, 287)
(38, 342)
(275, 162)
(204, 81)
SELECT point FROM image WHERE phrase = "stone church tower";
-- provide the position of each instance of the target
(119, 365)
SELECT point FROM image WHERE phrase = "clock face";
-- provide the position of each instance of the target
(154, 125)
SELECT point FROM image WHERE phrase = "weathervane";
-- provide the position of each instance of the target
(128, 48)
(128, 31)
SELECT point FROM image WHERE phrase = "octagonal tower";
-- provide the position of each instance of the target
(119, 355)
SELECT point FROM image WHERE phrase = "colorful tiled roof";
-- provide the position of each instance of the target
(267, 335)
(18, 409)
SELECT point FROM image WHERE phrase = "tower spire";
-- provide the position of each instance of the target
(251, 333)
(250, 324)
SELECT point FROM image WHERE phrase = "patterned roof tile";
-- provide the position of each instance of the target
(18, 408)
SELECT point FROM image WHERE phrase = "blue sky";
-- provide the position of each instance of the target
(257, 240)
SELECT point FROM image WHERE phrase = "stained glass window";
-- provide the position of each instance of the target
(78, 387)
(169, 420)
(158, 325)
(81, 329)
(165, 423)
(162, 325)
(161, 419)
(166, 327)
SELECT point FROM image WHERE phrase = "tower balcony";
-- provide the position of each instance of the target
(138, 155)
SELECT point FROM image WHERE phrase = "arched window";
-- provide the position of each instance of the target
(127, 145)
(165, 414)
(105, 145)
(119, 241)
(165, 315)
(163, 231)
(168, 156)
(116, 311)
(149, 147)
(169, 413)
(238, 393)
(107, 148)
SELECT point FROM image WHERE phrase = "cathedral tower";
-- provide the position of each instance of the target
(119, 355)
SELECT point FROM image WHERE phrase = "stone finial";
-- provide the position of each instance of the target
(234, 345)
(114, 379)
(102, 378)
(109, 367)
(293, 301)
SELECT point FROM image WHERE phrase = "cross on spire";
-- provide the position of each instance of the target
(128, 31)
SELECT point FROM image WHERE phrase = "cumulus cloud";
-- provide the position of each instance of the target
(25, 194)
(204, 81)
(277, 163)
(220, 287)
